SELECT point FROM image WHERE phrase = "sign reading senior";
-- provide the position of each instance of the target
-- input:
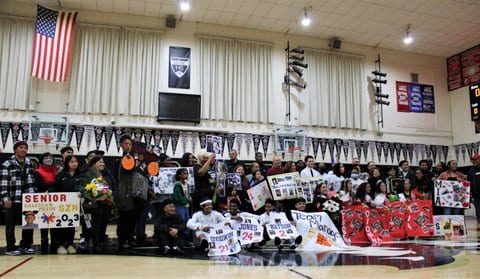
(318, 231)
(223, 241)
(51, 210)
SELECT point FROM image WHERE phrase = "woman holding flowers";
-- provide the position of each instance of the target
(98, 200)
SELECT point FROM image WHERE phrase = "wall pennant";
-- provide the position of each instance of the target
(346, 147)
(265, 142)
(5, 131)
(476, 146)
(157, 138)
(193, 141)
(378, 147)
(385, 147)
(423, 151)
(434, 149)
(165, 137)
(60, 132)
(410, 152)
(174, 136)
(138, 135)
(456, 149)
(428, 151)
(371, 147)
(358, 149)
(248, 142)
(16, 127)
(364, 145)
(338, 149)
(403, 146)
(416, 150)
(239, 141)
(398, 150)
(256, 142)
(79, 131)
(147, 133)
(445, 152)
(323, 148)
(118, 134)
(108, 137)
(71, 130)
(470, 150)
(184, 137)
(24, 129)
(391, 148)
(308, 142)
(99, 136)
(464, 151)
(331, 149)
(224, 141)
(202, 137)
(315, 144)
(89, 131)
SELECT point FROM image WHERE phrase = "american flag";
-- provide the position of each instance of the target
(52, 44)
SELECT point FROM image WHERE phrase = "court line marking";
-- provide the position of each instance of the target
(299, 273)
(15, 266)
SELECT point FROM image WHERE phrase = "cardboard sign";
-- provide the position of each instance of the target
(258, 194)
(223, 241)
(306, 187)
(283, 186)
(164, 182)
(51, 210)
(249, 229)
(450, 226)
(452, 193)
(283, 230)
(318, 231)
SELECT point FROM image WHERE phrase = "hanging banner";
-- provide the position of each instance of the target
(193, 141)
(416, 98)
(428, 99)
(404, 151)
(183, 136)
(179, 67)
(239, 142)
(16, 127)
(138, 135)
(259, 194)
(148, 136)
(99, 136)
(452, 193)
(403, 104)
(391, 147)
(445, 152)
(51, 210)
(79, 131)
(410, 152)
(378, 147)
(385, 147)
(71, 130)
(230, 138)
(315, 144)
(450, 226)
(419, 218)
(338, 149)
(118, 134)
(256, 142)
(365, 145)
(434, 150)
(165, 137)
(164, 182)
(174, 137)
(5, 131)
(283, 186)
(346, 147)
(25, 127)
(331, 149)
(265, 142)
(203, 140)
(248, 142)
(223, 241)
(318, 231)
(353, 224)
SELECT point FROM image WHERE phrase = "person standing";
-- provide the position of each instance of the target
(309, 170)
(233, 162)
(473, 176)
(16, 178)
(276, 166)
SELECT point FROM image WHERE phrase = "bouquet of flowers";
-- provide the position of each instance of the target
(333, 207)
(98, 190)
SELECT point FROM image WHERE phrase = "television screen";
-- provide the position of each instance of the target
(178, 107)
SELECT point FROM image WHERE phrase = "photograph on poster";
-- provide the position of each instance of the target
(214, 144)
(164, 182)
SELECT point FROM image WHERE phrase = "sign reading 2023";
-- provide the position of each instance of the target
(51, 210)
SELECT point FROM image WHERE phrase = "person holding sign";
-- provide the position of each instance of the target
(168, 228)
(246, 224)
(202, 177)
(16, 178)
(203, 220)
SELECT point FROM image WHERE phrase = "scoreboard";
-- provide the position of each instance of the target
(475, 101)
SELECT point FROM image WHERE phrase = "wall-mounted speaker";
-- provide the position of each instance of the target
(171, 22)
(335, 44)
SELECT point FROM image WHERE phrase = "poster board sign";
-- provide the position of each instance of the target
(452, 193)
(249, 229)
(317, 230)
(214, 144)
(281, 230)
(223, 241)
(419, 218)
(258, 194)
(450, 226)
(164, 182)
(283, 186)
(306, 187)
(234, 181)
(51, 210)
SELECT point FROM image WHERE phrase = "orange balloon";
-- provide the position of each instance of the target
(153, 168)
(128, 162)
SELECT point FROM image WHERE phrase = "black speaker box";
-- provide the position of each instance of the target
(171, 22)
(335, 44)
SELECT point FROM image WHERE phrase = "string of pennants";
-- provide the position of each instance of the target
(338, 149)
(464, 149)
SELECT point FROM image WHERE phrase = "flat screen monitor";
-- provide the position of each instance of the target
(178, 107)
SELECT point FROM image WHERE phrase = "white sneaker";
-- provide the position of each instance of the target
(71, 250)
(62, 251)
(29, 250)
(13, 252)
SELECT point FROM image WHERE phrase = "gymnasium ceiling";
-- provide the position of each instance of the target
(439, 27)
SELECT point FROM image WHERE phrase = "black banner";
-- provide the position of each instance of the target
(179, 68)
(265, 141)
(358, 149)
(98, 136)
(315, 143)
(174, 136)
(385, 150)
(157, 138)
(5, 130)
(331, 149)
(445, 152)
(256, 142)
(148, 136)
(118, 134)
(108, 137)
(165, 136)
(378, 147)
(25, 127)
(346, 147)
(79, 131)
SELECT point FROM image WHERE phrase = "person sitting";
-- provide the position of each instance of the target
(364, 194)
(168, 228)
(405, 191)
(346, 194)
(203, 220)
(381, 197)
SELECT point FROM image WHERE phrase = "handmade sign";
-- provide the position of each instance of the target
(282, 230)
(223, 241)
(51, 210)
(353, 224)
(377, 225)
(318, 231)
(452, 193)
(306, 187)
(258, 194)
(450, 226)
(283, 186)
(419, 218)
(164, 182)
(249, 229)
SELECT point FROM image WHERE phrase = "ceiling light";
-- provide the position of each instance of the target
(306, 19)
(408, 39)
(184, 6)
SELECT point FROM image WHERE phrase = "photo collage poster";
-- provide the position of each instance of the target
(306, 187)
(164, 182)
(452, 193)
(283, 186)
(214, 144)
(450, 226)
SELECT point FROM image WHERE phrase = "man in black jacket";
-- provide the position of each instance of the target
(168, 228)
(473, 176)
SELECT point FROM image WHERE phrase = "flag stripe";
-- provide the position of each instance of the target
(52, 44)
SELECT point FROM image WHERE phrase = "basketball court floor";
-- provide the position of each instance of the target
(419, 259)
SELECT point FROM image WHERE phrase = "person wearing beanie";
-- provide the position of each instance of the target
(168, 228)
(16, 178)
(44, 179)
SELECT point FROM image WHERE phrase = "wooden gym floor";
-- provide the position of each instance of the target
(429, 259)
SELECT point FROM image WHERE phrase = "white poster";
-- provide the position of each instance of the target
(450, 226)
(258, 194)
(318, 231)
(249, 229)
(214, 144)
(51, 210)
(306, 187)
(223, 241)
(452, 194)
(164, 182)
(284, 186)
(281, 230)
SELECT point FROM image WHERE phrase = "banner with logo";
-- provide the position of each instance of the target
(419, 218)
(452, 193)
(450, 226)
(318, 231)
(179, 68)
(258, 194)
(51, 210)
(223, 241)
(283, 186)
(164, 182)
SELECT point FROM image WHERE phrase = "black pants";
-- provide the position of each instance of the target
(165, 239)
(63, 237)
(126, 225)
(12, 216)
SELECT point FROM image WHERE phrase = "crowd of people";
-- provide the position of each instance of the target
(185, 218)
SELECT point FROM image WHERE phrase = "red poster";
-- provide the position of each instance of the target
(353, 224)
(403, 104)
(397, 219)
(419, 218)
(377, 225)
